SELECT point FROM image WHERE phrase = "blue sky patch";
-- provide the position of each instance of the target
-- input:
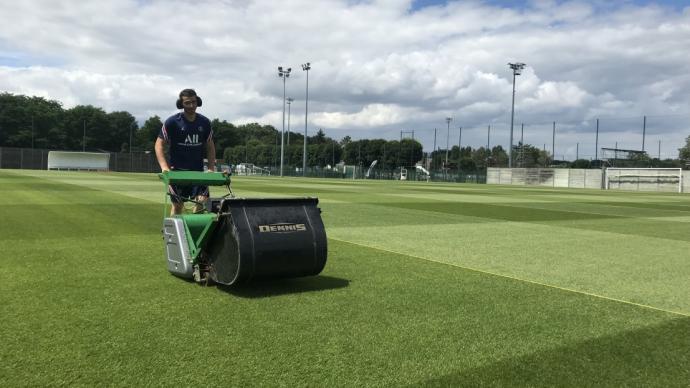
(524, 4)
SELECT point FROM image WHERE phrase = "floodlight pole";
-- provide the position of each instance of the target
(460, 144)
(488, 145)
(448, 120)
(289, 104)
(553, 141)
(305, 67)
(284, 74)
(615, 153)
(432, 150)
(644, 129)
(517, 67)
(488, 138)
(522, 144)
(596, 143)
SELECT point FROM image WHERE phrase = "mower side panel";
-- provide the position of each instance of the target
(176, 248)
(198, 229)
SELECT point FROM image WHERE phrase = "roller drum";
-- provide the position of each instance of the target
(267, 238)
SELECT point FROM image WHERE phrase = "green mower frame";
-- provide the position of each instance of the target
(233, 240)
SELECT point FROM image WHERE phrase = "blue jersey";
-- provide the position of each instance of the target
(187, 141)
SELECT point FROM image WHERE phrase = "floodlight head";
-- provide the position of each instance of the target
(290, 99)
(280, 68)
(517, 67)
(306, 66)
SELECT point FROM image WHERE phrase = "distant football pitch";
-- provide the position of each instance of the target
(426, 285)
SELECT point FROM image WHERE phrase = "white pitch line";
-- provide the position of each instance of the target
(683, 314)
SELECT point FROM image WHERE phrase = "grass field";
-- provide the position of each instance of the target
(425, 285)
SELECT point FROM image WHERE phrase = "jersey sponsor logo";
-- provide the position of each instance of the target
(192, 139)
(282, 228)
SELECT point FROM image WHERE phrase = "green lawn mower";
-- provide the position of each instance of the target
(237, 240)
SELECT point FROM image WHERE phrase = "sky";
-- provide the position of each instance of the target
(379, 68)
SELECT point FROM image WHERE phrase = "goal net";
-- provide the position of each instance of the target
(250, 169)
(644, 179)
(90, 161)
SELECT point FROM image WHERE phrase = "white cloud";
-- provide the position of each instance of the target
(370, 116)
(553, 96)
(376, 66)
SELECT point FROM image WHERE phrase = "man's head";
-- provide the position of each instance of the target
(188, 100)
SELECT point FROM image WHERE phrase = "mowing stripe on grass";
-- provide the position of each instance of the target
(640, 269)
(86, 298)
(513, 277)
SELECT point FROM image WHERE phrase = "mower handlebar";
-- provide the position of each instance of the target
(194, 178)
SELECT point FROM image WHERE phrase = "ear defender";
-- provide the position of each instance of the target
(178, 103)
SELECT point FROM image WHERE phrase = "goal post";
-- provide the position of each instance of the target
(644, 179)
(90, 161)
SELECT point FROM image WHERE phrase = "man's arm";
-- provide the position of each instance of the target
(211, 155)
(160, 154)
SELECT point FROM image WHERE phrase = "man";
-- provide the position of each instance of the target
(188, 133)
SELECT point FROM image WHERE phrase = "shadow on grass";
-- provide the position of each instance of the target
(657, 356)
(276, 287)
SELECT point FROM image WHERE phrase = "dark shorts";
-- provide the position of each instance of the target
(179, 193)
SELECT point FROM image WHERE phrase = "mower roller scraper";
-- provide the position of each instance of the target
(236, 240)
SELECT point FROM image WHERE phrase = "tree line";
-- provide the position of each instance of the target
(40, 123)
(36, 122)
